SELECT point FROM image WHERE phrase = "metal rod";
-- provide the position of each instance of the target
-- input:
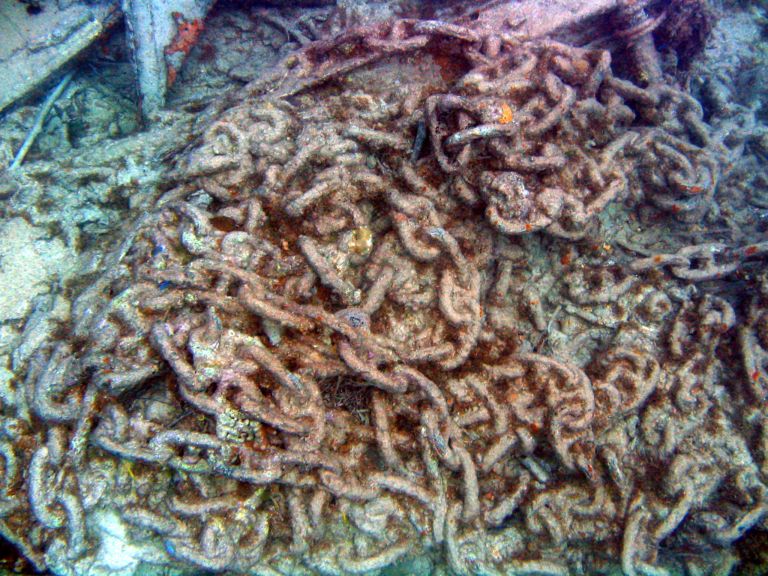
(40, 120)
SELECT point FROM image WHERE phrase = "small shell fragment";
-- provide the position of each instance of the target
(361, 241)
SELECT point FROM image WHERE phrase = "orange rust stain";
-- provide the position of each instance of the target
(750, 250)
(755, 376)
(528, 227)
(657, 259)
(506, 114)
(565, 259)
(450, 66)
(187, 33)
(223, 223)
(582, 66)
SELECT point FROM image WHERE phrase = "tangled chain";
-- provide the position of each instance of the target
(305, 359)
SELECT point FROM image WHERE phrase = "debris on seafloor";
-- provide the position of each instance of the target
(36, 44)
(37, 127)
(161, 33)
(404, 305)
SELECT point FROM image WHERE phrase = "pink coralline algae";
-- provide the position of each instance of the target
(328, 349)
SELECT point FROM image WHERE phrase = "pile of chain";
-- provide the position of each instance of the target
(313, 357)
